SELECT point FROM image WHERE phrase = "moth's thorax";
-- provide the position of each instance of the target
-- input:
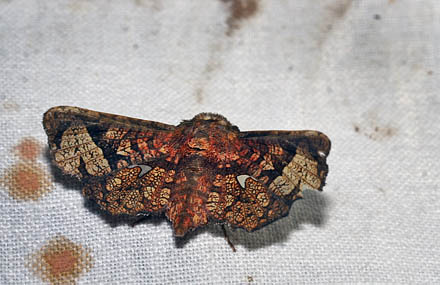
(206, 131)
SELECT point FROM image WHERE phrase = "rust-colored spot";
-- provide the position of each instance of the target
(60, 261)
(26, 181)
(238, 11)
(28, 149)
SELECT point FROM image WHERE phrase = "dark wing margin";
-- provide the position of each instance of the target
(55, 117)
(87, 144)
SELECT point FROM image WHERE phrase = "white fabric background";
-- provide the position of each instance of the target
(336, 66)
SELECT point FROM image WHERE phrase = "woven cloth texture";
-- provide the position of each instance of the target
(366, 73)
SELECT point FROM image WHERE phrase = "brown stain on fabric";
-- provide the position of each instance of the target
(339, 8)
(199, 95)
(79, 6)
(239, 10)
(375, 132)
(11, 106)
(334, 13)
(28, 149)
(356, 129)
(60, 261)
(212, 66)
(381, 190)
(155, 5)
(26, 181)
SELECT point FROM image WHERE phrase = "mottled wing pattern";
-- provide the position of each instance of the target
(132, 190)
(86, 143)
(290, 160)
(243, 202)
(124, 162)
(273, 169)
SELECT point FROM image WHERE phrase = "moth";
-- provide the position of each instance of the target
(204, 170)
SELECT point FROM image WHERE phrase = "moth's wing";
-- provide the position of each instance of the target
(89, 144)
(132, 190)
(125, 163)
(290, 159)
(272, 169)
(243, 202)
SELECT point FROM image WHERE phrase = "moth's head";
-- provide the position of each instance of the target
(209, 119)
(212, 117)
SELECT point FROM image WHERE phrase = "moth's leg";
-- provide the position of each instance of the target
(227, 238)
(139, 218)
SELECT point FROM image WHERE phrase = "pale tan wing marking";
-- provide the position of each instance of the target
(76, 143)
